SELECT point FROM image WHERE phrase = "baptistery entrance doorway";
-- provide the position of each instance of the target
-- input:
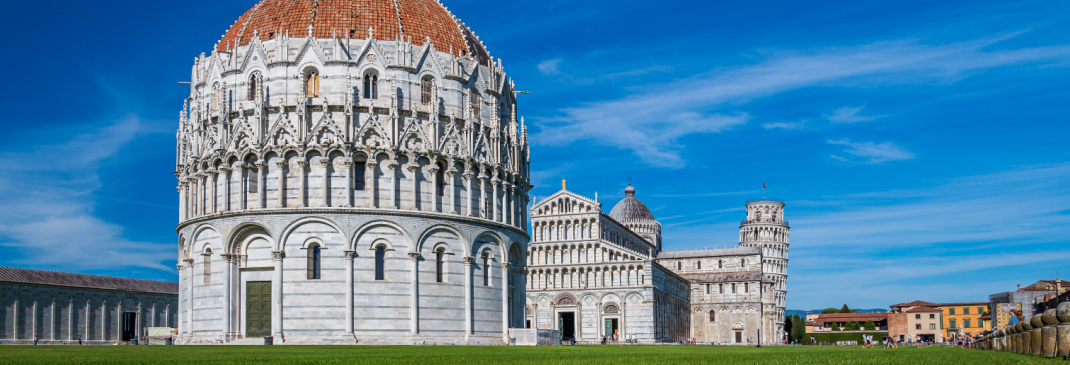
(257, 309)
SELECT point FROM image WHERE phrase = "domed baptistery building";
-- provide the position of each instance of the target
(351, 171)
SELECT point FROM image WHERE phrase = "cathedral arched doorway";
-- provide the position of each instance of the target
(566, 313)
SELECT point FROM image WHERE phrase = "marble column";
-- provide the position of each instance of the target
(213, 182)
(261, 187)
(495, 210)
(467, 176)
(349, 291)
(189, 292)
(226, 187)
(303, 198)
(468, 296)
(281, 183)
(276, 296)
(371, 183)
(392, 166)
(436, 203)
(182, 187)
(451, 191)
(414, 294)
(414, 195)
(243, 187)
(326, 164)
(70, 319)
(349, 183)
(228, 312)
(505, 301)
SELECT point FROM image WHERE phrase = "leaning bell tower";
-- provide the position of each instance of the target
(766, 229)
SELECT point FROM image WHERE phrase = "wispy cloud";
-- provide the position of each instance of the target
(872, 153)
(649, 124)
(48, 200)
(549, 67)
(850, 115)
(784, 125)
(911, 242)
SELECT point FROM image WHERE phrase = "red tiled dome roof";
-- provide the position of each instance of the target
(415, 19)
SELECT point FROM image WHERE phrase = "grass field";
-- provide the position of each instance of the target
(461, 355)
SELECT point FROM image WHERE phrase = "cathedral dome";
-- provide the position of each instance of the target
(418, 20)
(630, 207)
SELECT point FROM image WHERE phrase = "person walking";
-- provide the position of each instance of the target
(35, 340)
(79, 339)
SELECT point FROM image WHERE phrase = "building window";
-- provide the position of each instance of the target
(440, 181)
(918, 326)
(967, 310)
(952, 323)
(254, 86)
(931, 316)
(746, 287)
(720, 288)
(486, 269)
(380, 263)
(371, 85)
(707, 288)
(733, 288)
(360, 169)
(980, 323)
(425, 90)
(720, 264)
(980, 310)
(932, 326)
(713, 316)
(312, 83)
(951, 311)
(679, 265)
(918, 316)
(698, 265)
(438, 265)
(473, 99)
(313, 269)
(742, 262)
(965, 323)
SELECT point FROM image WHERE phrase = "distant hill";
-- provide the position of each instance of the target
(803, 313)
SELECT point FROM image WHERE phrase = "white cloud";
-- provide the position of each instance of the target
(850, 115)
(48, 215)
(649, 124)
(549, 67)
(874, 153)
(784, 125)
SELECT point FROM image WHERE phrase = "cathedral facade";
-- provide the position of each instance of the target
(592, 274)
(351, 172)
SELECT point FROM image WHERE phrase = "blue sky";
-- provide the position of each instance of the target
(921, 146)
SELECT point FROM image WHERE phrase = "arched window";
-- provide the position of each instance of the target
(440, 180)
(679, 266)
(371, 85)
(474, 100)
(425, 90)
(312, 83)
(313, 269)
(380, 263)
(720, 264)
(439, 265)
(486, 269)
(707, 288)
(733, 288)
(746, 287)
(359, 170)
(713, 316)
(254, 86)
(742, 262)
(207, 256)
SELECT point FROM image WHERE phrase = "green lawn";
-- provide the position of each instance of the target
(462, 355)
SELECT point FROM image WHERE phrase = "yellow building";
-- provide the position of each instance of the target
(964, 319)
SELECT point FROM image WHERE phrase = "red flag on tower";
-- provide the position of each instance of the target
(763, 184)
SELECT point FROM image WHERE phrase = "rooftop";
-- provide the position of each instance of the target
(708, 253)
(84, 281)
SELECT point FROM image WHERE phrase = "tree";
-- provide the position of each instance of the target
(845, 309)
(799, 328)
(851, 326)
(830, 311)
(789, 323)
(835, 326)
(870, 326)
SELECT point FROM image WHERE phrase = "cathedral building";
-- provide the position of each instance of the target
(351, 171)
(592, 274)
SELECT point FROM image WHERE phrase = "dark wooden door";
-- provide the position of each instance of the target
(258, 309)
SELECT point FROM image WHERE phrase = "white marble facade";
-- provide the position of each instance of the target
(592, 274)
(339, 144)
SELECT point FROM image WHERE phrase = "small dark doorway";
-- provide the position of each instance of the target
(739, 336)
(257, 308)
(129, 326)
(566, 323)
(528, 322)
